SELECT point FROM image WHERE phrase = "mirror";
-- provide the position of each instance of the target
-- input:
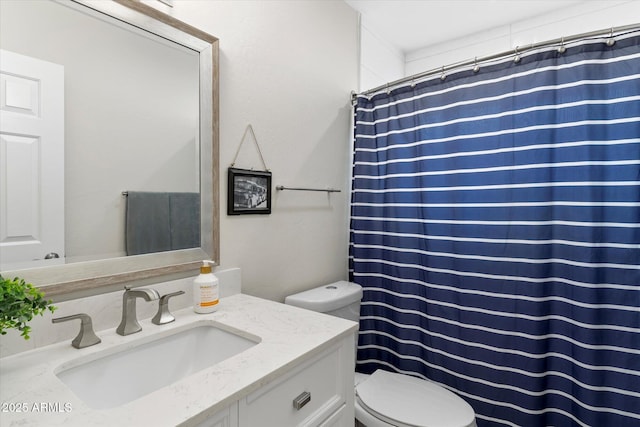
(176, 152)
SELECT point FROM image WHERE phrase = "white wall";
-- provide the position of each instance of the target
(380, 61)
(287, 68)
(584, 17)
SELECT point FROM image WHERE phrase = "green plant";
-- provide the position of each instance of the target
(19, 302)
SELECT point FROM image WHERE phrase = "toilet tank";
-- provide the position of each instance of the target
(341, 299)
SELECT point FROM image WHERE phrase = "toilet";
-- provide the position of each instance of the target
(387, 399)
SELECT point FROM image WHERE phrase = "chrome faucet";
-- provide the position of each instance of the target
(129, 323)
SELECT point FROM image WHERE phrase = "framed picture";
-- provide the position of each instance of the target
(249, 192)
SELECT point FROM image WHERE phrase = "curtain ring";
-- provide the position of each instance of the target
(442, 74)
(516, 58)
(476, 67)
(611, 41)
(562, 48)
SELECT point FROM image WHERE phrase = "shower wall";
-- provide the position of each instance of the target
(380, 62)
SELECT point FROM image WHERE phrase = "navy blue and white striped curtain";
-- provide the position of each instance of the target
(495, 228)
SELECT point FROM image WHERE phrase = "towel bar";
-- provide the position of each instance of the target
(328, 190)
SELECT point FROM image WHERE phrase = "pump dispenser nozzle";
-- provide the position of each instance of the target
(206, 266)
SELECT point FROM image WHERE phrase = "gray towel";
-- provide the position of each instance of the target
(157, 222)
(184, 220)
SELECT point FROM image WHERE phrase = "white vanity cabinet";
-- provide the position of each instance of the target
(310, 394)
(317, 392)
(228, 417)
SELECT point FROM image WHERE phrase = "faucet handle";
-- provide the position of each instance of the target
(164, 315)
(86, 337)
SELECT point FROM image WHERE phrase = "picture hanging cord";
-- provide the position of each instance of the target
(609, 33)
(250, 129)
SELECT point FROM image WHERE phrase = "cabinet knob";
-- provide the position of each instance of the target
(301, 400)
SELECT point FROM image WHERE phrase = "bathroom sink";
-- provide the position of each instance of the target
(129, 373)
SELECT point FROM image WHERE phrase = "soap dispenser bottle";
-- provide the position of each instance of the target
(205, 290)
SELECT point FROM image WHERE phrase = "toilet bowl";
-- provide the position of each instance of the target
(387, 399)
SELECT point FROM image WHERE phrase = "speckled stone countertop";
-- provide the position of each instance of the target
(32, 395)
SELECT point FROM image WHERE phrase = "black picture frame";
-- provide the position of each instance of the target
(248, 192)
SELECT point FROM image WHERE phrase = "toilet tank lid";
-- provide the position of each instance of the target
(328, 297)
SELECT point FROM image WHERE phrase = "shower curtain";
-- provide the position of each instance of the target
(495, 228)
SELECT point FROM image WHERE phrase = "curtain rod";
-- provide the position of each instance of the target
(518, 50)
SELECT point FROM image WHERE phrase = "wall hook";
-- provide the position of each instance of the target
(476, 67)
(443, 75)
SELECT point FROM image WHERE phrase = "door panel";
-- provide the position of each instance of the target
(31, 161)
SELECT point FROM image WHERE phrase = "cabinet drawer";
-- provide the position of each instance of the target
(305, 397)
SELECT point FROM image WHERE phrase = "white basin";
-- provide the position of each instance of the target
(129, 373)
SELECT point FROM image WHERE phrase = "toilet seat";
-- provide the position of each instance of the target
(402, 400)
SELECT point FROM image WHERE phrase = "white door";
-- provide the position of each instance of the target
(31, 161)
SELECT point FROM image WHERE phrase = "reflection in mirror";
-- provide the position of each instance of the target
(130, 123)
(137, 116)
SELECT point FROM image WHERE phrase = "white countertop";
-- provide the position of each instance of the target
(289, 336)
